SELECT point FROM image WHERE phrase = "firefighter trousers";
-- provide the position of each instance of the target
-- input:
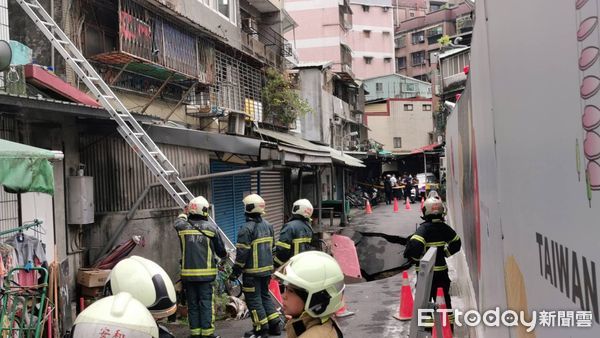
(258, 300)
(200, 308)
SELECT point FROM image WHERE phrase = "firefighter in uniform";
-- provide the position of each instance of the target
(434, 233)
(314, 286)
(200, 244)
(254, 257)
(296, 235)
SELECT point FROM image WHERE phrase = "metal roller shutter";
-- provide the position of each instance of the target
(227, 195)
(269, 185)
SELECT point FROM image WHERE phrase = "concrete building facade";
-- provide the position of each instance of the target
(323, 32)
(371, 38)
(395, 86)
(416, 39)
(401, 125)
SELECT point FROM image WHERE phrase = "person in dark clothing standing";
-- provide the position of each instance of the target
(254, 257)
(434, 232)
(408, 184)
(296, 235)
(200, 241)
(387, 188)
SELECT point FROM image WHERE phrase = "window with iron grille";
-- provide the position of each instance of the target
(379, 87)
(397, 142)
(400, 41)
(401, 62)
(237, 86)
(368, 59)
(418, 58)
(418, 37)
(408, 107)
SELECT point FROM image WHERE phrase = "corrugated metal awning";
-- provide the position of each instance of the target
(204, 140)
(348, 160)
(295, 149)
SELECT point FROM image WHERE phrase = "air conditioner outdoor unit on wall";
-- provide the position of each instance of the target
(236, 123)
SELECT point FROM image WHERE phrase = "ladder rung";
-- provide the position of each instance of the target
(93, 79)
(183, 193)
(153, 153)
(46, 23)
(170, 172)
(78, 60)
(109, 97)
(62, 41)
(31, 5)
(138, 134)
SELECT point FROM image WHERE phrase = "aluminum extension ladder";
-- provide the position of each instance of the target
(129, 128)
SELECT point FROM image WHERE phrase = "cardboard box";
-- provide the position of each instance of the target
(92, 277)
(92, 292)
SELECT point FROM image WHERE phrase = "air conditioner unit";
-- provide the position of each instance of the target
(421, 38)
(250, 25)
(236, 123)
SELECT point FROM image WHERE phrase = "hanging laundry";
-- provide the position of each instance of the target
(27, 248)
(8, 255)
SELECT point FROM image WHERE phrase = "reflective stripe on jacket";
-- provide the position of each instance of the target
(254, 248)
(295, 237)
(433, 234)
(200, 244)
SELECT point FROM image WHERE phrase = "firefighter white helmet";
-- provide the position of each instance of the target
(254, 204)
(433, 207)
(303, 208)
(199, 206)
(147, 282)
(122, 313)
(320, 276)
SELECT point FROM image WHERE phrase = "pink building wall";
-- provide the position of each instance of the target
(319, 34)
(372, 36)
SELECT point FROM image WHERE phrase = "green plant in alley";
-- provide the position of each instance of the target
(444, 40)
(280, 101)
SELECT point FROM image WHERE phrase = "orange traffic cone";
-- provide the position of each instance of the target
(274, 288)
(405, 310)
(407, 207)
(422, 202)
(395, 204)
(445, 324)
(343, 311)
(368, 209)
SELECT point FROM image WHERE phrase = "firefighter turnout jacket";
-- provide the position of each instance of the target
(295, 237)
(254, 248)
(433, 233)
(200, 244)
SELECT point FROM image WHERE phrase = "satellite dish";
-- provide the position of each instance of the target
(5, 55)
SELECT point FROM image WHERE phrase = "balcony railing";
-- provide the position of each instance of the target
(454, 81)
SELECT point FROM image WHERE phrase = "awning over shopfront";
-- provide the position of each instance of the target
(348, 160)
(204, 140)
(25, 168)
(294, 149)
(430, 147)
